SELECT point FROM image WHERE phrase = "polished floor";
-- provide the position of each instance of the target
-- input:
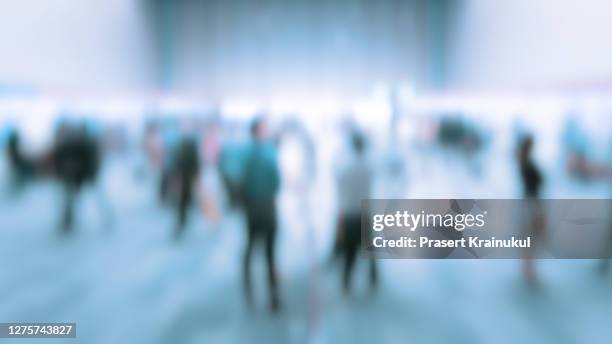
(125, 281)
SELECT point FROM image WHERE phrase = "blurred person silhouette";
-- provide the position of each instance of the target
(168, 144)
(210, 179)
(460, 135)
(297, 155)
(576, 147)
(354, 183)
(22, 168)
(530, 173)
(261, 186)
(76, 159)
(153, 146)
(347, 127)
(532, 181)
(185, 172)
(231, 164)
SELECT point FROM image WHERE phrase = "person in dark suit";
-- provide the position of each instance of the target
(186, 171)
(532, 180)
(76, 160)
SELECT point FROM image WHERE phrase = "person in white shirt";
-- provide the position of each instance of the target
(354, 183)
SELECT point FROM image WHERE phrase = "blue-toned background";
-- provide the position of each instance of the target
(443, 91)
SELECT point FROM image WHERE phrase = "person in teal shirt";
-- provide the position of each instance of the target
(261, 185)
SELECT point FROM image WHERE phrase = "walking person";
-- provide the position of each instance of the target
(76, 159)
(261, 185)
(354, 184)
(185, 174)
(532, 183)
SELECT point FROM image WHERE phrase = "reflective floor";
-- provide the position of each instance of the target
(125, 280)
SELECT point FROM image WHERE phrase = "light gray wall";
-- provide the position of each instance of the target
(498, 44)
(76, 46)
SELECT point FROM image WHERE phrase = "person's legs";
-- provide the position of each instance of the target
(163, 186)
(246, 271)
(529, 272)
(261, 222)
(248, 252)
(271, 266)
(350, 254)
(183, 207)
(373, 262)
(339, 245)
(373, 273)
(70, 193)
(352, 242)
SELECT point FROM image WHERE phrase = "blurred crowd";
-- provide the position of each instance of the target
(183, 155)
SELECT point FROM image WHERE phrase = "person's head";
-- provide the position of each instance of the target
(13, 139)
(258, 128)
(525, 147)
(187, 144)
(357, 142)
